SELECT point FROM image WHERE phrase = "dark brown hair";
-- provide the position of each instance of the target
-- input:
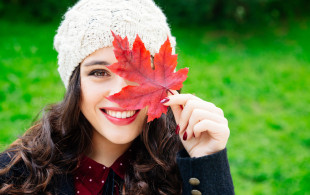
(54, 144)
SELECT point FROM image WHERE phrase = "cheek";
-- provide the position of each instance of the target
(144, 114)
(97, 87)
(90, 94)
(92, 88)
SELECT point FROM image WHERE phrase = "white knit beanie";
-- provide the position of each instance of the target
(88, 24)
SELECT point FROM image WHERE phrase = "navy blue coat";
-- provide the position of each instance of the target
(211, 172)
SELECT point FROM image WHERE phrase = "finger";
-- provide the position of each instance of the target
(182, 99)
(176, 109)
(179, 99)
(216, 131)
(199, 115)
(174, 101)
(198, 104)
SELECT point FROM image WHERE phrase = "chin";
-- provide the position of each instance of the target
(122, 139)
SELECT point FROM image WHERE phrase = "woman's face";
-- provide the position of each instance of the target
(110, 121)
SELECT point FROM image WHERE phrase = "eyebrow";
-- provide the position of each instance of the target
(95, 62)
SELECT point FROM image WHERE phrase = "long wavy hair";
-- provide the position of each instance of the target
(55, 143)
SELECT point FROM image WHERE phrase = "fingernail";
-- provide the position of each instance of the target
(185, 136)
(164, 100)
(177, 130)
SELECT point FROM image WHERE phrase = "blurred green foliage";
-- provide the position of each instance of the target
(259, 77)
(34, 10)
(225, 13)
(228, 13)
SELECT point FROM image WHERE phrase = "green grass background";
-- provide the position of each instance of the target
(260, 77)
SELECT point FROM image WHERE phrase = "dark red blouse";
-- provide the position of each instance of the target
(91, 177)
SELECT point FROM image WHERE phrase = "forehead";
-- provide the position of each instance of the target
(104, 54)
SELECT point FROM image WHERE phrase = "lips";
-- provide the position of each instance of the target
(119, 116)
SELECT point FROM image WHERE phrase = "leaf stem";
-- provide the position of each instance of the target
(170, 91)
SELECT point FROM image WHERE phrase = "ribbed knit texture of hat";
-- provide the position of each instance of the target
(88, 24)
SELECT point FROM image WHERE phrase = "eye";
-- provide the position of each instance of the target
(99, 73)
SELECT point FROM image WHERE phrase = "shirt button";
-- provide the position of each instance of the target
(194, 181)
(196, 192)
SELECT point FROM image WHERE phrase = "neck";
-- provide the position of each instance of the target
(104, 151)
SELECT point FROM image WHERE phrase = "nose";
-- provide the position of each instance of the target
(118, 84)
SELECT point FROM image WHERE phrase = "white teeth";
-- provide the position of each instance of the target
(124, 114)
(128, 114)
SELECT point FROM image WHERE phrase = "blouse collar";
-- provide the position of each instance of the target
(93, 175)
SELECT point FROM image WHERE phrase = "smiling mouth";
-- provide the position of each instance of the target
(120, 117)
(120, 114)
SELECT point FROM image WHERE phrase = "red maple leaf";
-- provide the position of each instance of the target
(135, 65)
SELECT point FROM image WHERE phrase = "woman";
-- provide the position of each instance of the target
(87, 144)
